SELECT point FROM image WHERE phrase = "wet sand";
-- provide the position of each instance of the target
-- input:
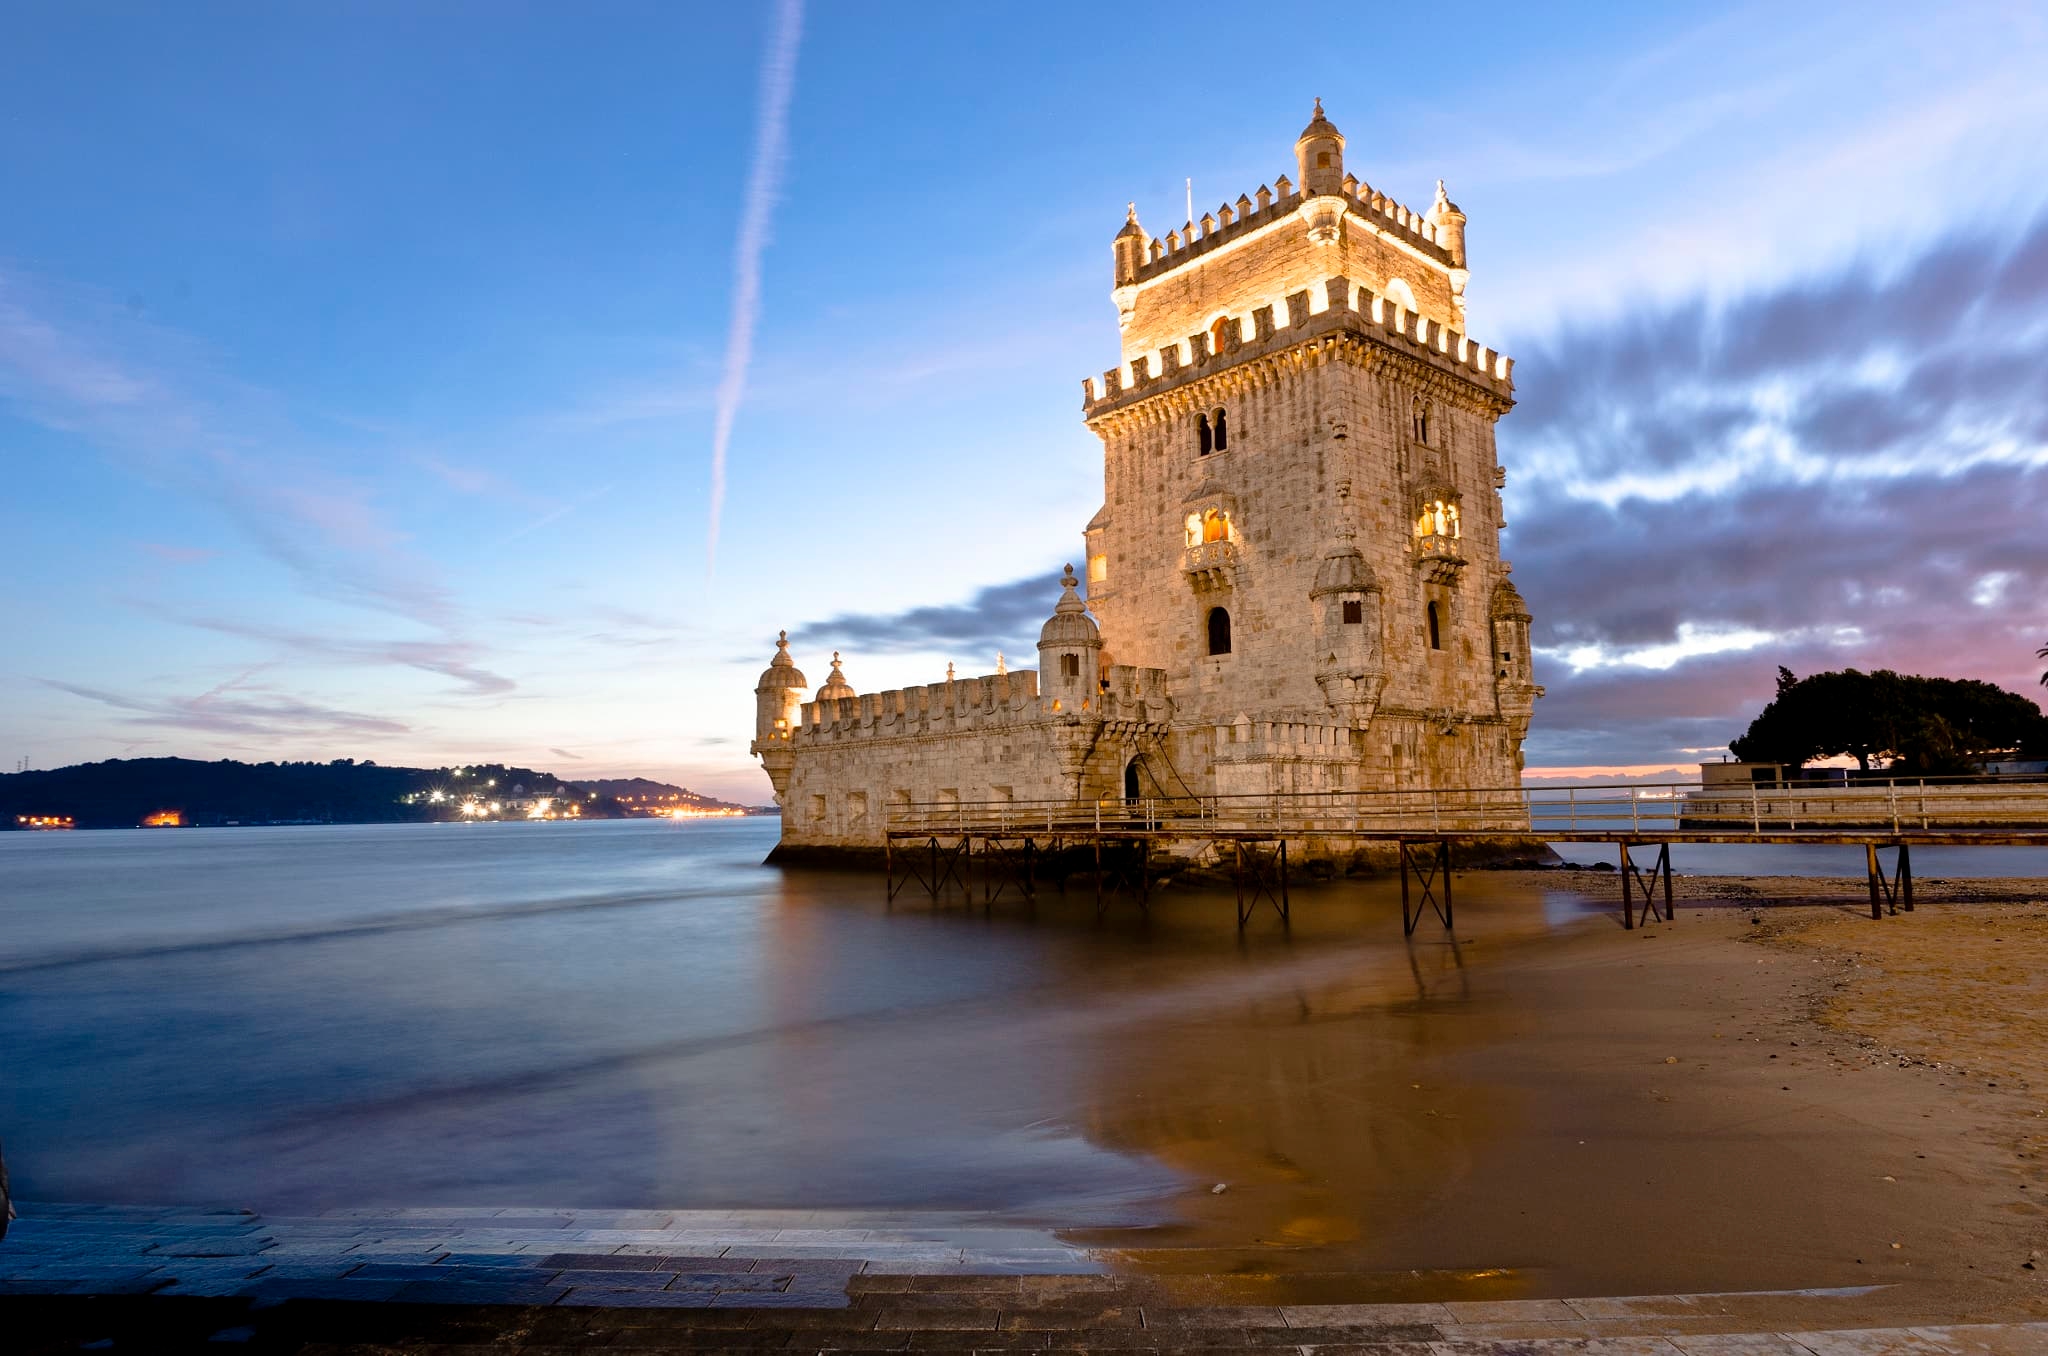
(1692, 1106)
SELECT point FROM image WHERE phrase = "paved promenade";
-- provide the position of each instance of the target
(462, 1281)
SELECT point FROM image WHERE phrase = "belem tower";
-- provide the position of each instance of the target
(1294, 582)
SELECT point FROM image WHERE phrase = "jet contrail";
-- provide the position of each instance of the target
(778, 75)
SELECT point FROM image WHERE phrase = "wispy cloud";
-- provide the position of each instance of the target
(764, 178)
(446, 657)
(231, 710)
(564, 753)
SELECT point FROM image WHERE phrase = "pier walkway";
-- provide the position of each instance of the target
(1123, 843)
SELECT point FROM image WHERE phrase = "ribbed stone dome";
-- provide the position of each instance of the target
(836, 686)
(1344, 571)
(1507, 602)
(1070, 626)
(782, 670)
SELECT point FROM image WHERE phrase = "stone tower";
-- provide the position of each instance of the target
(1301, 518)
(1295, 578)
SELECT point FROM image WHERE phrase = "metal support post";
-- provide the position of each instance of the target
(1890, 895)
(1433, 878)
(1630, 872)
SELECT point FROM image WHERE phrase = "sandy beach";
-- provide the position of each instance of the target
(1742, 1099)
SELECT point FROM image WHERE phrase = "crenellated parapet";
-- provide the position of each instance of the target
(1127, 696)
(1367, 210)
(956, 704)
(1336, 309)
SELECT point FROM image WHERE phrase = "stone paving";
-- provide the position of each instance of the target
(534, 1281)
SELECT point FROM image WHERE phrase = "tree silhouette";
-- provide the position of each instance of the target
(1925, 726)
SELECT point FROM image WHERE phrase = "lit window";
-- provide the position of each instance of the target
(1098, 568)
(1215, 526)
(1438, 518)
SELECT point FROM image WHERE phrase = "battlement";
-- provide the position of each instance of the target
(990, 701)
(1337, 306)
(1367, 208)
(957, 703)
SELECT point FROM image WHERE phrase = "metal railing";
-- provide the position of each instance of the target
(1557, 813)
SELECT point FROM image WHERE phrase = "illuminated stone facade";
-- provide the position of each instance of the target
(1295, 577)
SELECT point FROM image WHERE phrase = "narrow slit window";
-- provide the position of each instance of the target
(1204, 440)
(1070, 666)
(1222, 432)
(1219, 631)
(1436, 637)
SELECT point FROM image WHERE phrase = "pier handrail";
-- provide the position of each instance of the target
(1891, 804)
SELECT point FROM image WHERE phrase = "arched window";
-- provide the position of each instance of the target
(1222, 432)
(1215, 526)
(1219, 630)
(1203, 438)
(1436, 636)
(1421, 419)
(1219, 333)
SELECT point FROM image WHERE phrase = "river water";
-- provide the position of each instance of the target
(639, 1013)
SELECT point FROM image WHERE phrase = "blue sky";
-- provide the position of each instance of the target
(359, 364)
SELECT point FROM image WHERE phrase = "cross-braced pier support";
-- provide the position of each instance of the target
(1261, 877)
(1896, 892)
(931, 865)
(1660, 870)
(1118, 875)
(1432, 872)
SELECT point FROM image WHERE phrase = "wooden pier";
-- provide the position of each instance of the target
(940, 844)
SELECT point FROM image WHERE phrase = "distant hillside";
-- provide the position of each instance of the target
(639, 789)
(122, 793)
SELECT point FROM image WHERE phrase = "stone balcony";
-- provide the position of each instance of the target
(1440, 557)
(1211, 565)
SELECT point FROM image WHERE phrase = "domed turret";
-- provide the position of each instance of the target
(836, 686)
(1069, 648)
(778, 707)
(1344, 571)
(1344, 607)
(1319, 151)
(1449, 223)
(1129, 248)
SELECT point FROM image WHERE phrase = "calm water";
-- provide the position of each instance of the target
(639, 1013)
(616, 1013)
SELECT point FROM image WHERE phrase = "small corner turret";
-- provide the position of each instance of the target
(1070, 650)
(778, 707)
(1319, 154)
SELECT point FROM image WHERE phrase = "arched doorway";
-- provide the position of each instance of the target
(1131, 791)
